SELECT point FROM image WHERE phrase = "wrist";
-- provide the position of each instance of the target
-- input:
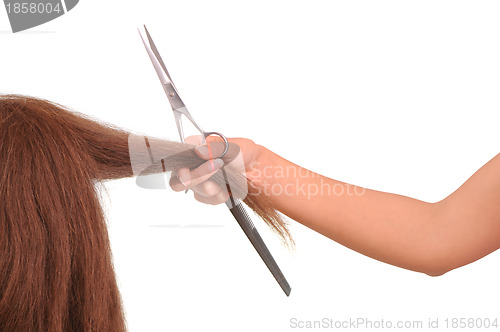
(259, 168)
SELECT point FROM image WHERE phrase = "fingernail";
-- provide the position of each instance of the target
(216, 164)
(183, 180)
(203, 150)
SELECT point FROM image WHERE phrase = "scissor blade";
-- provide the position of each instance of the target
(157, 54)
(253, 235)
(154, 56)
(161, 70)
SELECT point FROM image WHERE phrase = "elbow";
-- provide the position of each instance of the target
(437, 251)
(436, 269)
(435, 273)
(437, 260)
(444, 247)
(437, 265)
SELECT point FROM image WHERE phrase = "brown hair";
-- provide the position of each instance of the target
(56, 271)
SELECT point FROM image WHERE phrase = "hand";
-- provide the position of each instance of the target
(198, 179)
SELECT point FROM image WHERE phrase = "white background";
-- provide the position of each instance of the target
(399, 96)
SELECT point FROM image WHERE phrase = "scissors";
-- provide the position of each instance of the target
(234, 205)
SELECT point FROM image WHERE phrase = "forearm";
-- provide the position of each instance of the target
(391, 228)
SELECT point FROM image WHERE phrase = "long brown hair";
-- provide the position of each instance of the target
(56, 270)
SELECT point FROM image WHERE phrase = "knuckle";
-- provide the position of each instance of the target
(175, 186)
(199, 198)
(210, 188)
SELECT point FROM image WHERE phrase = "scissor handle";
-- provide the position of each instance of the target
(226, 147)
(178, 113)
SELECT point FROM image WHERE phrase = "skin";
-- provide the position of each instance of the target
(431, 238)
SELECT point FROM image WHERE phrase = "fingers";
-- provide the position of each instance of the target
(213, 148)
(186, 179)
(221, 197)
(193, 140)
(206, 191)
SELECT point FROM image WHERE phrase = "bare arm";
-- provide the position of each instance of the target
(427, 237)
(432, 238)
